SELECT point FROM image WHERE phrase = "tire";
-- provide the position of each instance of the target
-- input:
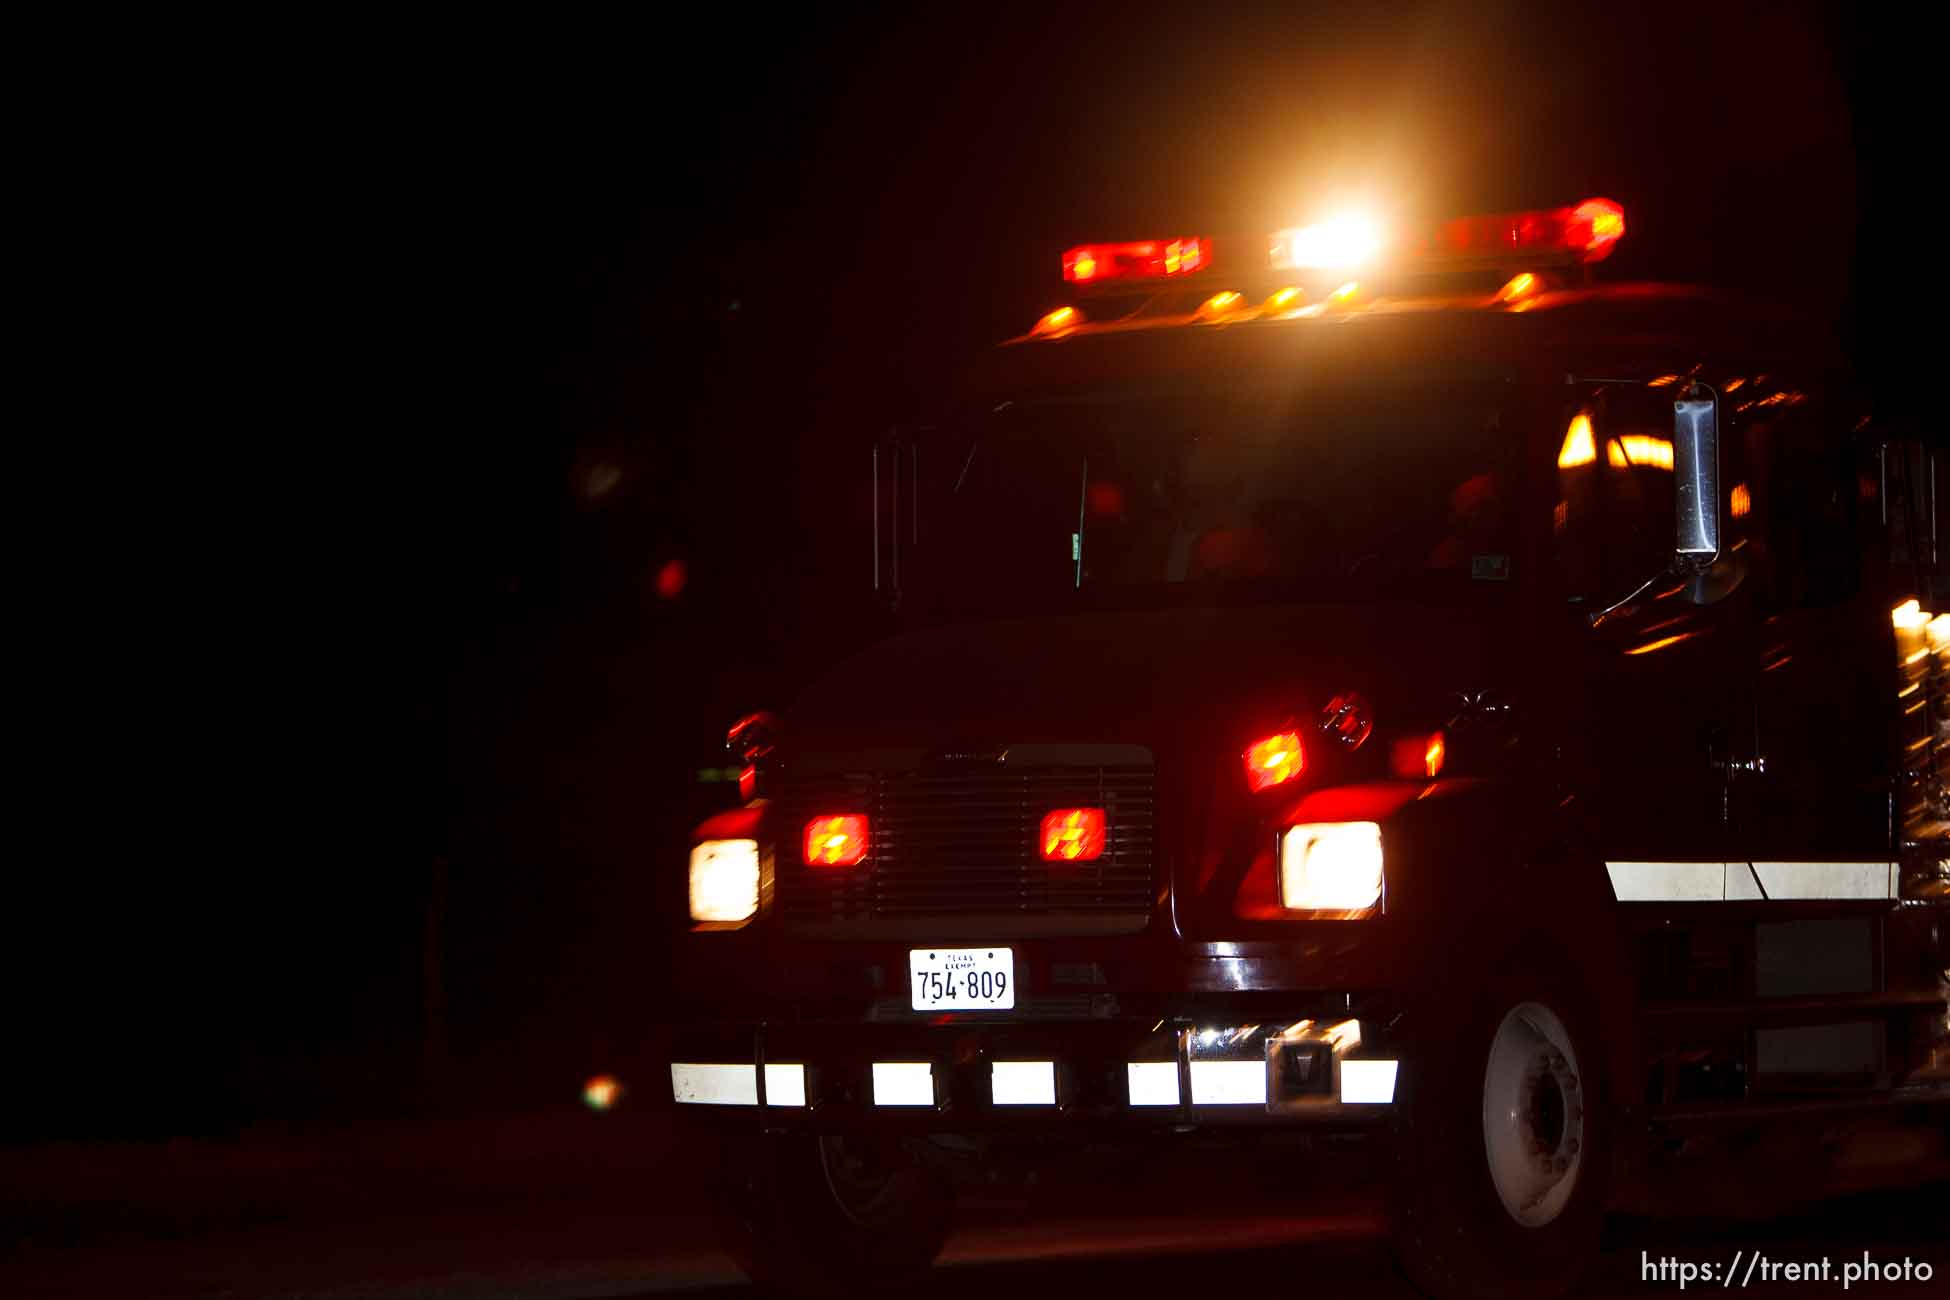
(825, 1216)
(1502, 1155)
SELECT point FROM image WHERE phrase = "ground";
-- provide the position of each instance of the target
(572, 1205)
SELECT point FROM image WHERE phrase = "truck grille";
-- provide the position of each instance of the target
(956, 850)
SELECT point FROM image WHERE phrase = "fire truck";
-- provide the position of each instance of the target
(1358, 680)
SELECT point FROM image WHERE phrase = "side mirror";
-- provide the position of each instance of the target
(752, 737)
(1699, 551)
(1709, 571)
(1696, 479)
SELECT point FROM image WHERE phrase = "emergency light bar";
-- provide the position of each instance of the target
(1519, 241)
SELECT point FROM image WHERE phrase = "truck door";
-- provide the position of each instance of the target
(1810, 872)
(1657, 671)
(1814, 782)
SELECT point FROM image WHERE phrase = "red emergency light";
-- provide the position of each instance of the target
(1143, 259)
(1073, 835)
(1274, 761)
(1585, 232)
(836, 840)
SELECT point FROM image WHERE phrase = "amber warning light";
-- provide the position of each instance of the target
(836, 840)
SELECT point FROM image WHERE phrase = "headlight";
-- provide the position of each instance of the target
(724, 880)
(1330, 866)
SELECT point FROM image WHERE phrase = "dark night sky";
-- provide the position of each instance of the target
(647, 279)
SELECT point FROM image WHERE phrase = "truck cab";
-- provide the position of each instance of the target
(1397, 685)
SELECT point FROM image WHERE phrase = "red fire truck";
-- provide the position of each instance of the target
(1357, 680)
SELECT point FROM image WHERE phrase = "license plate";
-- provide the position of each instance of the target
(962, 979)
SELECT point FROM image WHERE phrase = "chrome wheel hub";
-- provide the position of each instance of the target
(1533, 1114)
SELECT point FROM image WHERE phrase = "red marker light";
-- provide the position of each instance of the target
(1419, 757)
(1274, 761)
(836, 840)
(1073, 835)
(1137, 260)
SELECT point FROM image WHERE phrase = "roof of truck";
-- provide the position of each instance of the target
(1635, 331)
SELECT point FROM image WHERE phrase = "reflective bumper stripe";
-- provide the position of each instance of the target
(1724, 882)
(1368, 1082)
(1018, 1083)
(699, 1084)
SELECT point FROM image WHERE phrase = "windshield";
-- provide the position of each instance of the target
(1320, 493)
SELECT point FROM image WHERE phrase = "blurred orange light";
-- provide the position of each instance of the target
(1085, 266)
(1274, 761)
(1345, 293)
(1284, 298)
(1651, 646)
(1344, 1037)
(1579, 447)
(1641, 449)
(1741, 502)
(601, 1092)
(1434, 752)
(1908, 616)
(1662, 381)
(836, 839)
(1061, 318)
(1520, 285)
(1221, 303)
(1073, 835)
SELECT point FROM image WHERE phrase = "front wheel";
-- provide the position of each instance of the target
(832, 1216)
(1502, 1147)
